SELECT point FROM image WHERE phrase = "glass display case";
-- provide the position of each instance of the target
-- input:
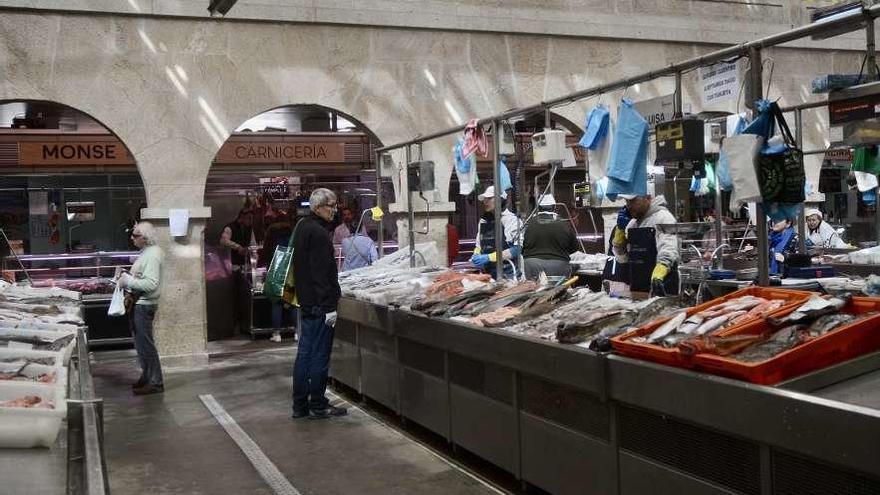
(88, 273)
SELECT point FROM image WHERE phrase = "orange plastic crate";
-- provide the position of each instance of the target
(841, 344)
(674, 357)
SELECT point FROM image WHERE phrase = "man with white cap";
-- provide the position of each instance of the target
(821, 234)
(486, 251)
(548, 242)
(650, 255)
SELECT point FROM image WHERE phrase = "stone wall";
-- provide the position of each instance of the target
(173, 88)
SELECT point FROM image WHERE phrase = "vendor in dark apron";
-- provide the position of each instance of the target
(487, 249)
(634, 257)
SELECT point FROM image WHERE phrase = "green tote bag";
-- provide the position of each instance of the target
(278, 268)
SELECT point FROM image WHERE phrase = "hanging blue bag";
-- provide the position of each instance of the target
(596, 127)
(628, 162)
(504, 176)
(630, 138)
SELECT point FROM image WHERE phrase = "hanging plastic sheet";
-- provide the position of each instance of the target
(596, 127)
(475, 139)
(865, 160)
(465, 169)
(504, 176)
(735, 125)
(628, 164)
(865, 181)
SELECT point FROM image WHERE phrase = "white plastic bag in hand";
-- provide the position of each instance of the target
(117, 304)
(330, 319)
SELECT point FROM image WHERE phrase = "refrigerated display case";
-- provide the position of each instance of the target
(87, 273)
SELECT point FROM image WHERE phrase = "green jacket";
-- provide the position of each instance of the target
(147, 275)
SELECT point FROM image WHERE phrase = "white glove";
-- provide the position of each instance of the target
(124, 280)
(330, 319)
(779, 257)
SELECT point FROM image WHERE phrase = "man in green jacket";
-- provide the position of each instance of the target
(144, 283)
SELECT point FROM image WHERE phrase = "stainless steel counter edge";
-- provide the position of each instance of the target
(836, 432)
(572, 366)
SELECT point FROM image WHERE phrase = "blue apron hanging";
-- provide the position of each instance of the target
(628, 162)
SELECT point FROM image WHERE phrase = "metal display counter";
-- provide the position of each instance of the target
(569, 420)
(75, 464)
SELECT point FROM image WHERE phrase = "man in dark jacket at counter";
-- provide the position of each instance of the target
(317, 292)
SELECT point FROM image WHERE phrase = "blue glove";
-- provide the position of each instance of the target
(623, 218)
(480, 260)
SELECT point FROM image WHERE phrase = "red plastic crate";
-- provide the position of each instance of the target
(841, 344)
(674, 357)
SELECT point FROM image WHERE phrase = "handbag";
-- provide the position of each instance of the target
(740, 152)
(781, 169)
(276, 275)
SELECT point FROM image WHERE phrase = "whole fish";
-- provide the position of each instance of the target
(675, 340)
(740, 303)
(658, 308)
(811, 310)
(692, 323)
(721, 346)
(667, 328)
(828, 323)
(758, 310)
(576, 332)
(717, 323)
(781, 341)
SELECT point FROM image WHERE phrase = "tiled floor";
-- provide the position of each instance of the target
(171, 444)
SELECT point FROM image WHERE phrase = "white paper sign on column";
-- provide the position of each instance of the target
(178, 221)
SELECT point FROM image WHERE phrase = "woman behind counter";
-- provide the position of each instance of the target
(783, 241)
(821, 234)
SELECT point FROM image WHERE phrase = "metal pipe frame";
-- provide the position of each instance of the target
(410, 230)
(496, 179)
(735, 51)
(799, 141)
(756, 77)
(380, 234)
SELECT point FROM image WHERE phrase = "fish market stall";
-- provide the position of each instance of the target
(48, 444)
(90, 275)
(448, 350)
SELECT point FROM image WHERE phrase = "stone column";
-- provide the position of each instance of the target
(434, 222)
(180, 326)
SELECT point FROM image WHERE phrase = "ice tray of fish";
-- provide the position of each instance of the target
(41, 340)
(800, 340)
(659, 340)
(30, 414)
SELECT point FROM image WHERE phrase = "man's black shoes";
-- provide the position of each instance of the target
(328, 412)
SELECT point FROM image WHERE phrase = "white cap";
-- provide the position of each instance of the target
(547, 200)
(812, 211)
(490, 193)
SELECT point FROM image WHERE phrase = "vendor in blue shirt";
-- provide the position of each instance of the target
(486, 250)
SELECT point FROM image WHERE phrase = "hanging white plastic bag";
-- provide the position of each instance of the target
(117, 303)
(740, 152)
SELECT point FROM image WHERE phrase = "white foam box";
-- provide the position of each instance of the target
(24, 428)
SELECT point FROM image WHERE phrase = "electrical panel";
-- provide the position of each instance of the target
(548, 146)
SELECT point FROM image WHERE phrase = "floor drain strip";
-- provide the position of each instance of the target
(264, 466)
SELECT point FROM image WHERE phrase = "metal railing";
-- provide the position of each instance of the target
(751, 49)
(86, 465)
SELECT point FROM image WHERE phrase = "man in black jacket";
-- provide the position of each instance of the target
(317, 291)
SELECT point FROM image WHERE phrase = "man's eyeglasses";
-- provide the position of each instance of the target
(136, 236)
